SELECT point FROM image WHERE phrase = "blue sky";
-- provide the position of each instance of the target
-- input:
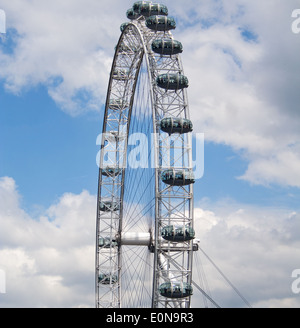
(242, 63)
(47, 151)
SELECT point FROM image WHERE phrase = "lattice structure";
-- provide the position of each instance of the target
(147, 84)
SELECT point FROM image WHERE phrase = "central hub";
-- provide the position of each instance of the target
(136, 239)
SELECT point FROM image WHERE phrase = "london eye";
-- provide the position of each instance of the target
(145, 236)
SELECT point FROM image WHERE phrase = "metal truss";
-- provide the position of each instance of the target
(172, 262)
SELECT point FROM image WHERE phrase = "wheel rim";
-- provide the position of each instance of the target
(135, 265)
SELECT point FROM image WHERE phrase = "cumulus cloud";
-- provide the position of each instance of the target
(241, 58)
(256, 248)
(50, 258)
(67, 47)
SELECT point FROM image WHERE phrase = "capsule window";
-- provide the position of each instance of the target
(106, 242)
(109, 206)
(179, 232)
(175, 289)
(106, 279)
(123, 26)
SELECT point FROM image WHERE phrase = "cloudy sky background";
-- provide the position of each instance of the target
(242, 61)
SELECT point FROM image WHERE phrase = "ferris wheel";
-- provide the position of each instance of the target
(145, 227)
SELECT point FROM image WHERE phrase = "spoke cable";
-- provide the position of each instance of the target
(227, 280)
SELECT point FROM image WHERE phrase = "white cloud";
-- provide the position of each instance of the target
(256, 248)
(244, 90)
(67, 47)
(51, 258)
(281, 168)
(243, 93)
(241, 59)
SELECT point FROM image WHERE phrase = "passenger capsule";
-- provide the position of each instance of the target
(172, 81)
(111, 172)
(109, 206)
(172, 125)
(178, 233)
(148, 9)
(117, 104)
(175, 289)
(175, 177)
(123, 26)
(106, 242)
(114, 136)
(167, 47)
(160, 23)
(124, 48)
(120, 74)
(107, 278)
(137, 5)
(131, 14)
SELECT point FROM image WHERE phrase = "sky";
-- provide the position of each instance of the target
(242, 62)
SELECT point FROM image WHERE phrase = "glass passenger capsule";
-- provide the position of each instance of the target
(123, 26)
(109, 206)
(148, 9)
(117, 104)
(111, 171)
(175, 177)
(167, 47)
(124, 48)
(106, 242)
(121, 74)
(136, 6)
(131, 14)
(178, 233)
(160, 23)
(107, 278)
(172, 81)
(114, 136)
(172, 125)
(175, 289)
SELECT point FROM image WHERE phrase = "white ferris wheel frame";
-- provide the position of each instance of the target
(173, 204)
